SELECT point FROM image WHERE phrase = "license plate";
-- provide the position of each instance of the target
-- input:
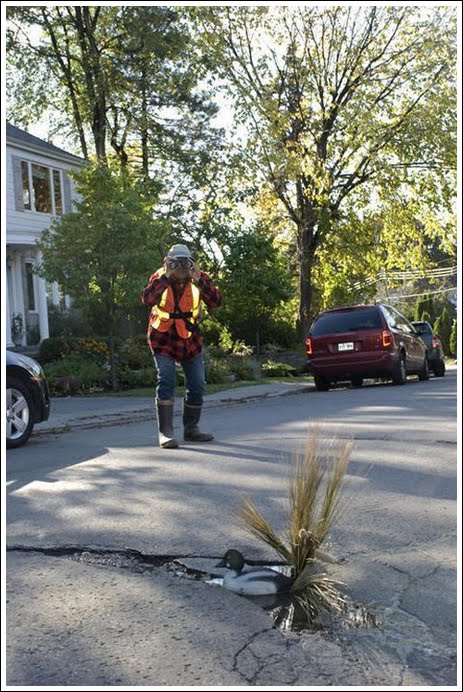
(346, 346)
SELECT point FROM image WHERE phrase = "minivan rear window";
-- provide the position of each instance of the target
(348, 321)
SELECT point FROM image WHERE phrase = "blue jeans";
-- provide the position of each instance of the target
(194, 379)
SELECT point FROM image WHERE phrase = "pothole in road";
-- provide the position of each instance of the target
(282, 608)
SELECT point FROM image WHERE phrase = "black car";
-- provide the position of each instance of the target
(435, 351)
(27, 397)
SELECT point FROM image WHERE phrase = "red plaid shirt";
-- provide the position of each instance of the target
(169, 343)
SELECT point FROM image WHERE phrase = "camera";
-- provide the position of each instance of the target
(184, 262)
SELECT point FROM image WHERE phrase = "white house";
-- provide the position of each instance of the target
(38, 189)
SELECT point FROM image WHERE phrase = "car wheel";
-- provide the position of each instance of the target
(357, 381)
(19, 421)
(424, 372)
(321, 384)
(399, 376)
(439, 369)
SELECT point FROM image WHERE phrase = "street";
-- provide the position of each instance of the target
(111, 488)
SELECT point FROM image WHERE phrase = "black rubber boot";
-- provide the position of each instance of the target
(191, 432)
(165, 411)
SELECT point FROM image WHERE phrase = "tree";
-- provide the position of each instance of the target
(443, 328)
(120, 78)
(254, 283)
(103, 253)
(330, 97)
(424, 306)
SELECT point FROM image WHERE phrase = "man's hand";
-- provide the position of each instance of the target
(195, 273)
(166, 268)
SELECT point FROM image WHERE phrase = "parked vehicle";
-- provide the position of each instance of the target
(436, 357)
(27, 397)
(359, 341)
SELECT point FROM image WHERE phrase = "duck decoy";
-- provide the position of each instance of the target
(251, 581)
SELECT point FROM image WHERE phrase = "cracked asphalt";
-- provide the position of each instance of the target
(81, 615)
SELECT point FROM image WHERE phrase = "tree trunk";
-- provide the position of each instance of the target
(144, 123)
(306, 242)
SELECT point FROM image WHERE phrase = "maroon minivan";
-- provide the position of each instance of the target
(364, 341)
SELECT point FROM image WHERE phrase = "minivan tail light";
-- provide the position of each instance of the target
(308, 346)
(386, 338)
(435, 342)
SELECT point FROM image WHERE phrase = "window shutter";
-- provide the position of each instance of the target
(67, 193)
(18, 184)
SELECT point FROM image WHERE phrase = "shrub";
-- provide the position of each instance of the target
(65, 346)
(443, 328)
(135, 352)
(52, 349)
(141, 377)
(90, 347)
(62, 375)
(211, 329)
(217, 371)
(243, 367)
(69, 322)
(274, 369)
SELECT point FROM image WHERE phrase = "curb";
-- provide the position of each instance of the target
(126, 418)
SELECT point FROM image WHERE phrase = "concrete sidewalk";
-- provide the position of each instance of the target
(68, 413)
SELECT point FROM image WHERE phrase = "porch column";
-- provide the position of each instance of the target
(18, 292)
(42, 303)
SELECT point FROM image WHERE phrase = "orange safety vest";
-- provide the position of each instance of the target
(185, 314)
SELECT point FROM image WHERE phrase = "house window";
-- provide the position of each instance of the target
(42, 188)
(26, 189)
(57, 192)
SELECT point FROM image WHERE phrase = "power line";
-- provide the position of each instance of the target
(420, 273)
(406, 275)
(426, 293)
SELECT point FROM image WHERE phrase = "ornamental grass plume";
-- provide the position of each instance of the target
(316, 478)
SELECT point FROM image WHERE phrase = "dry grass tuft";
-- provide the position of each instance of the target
(316, 478)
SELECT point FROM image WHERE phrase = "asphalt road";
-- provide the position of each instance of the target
(94, 490)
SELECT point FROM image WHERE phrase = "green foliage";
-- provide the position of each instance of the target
(65, 346)
(424, 309)
(68, 322)
(217, 370)
(453, 340)
(272, 368)
(243, 367)
(426, 317)
(99, 252)
(79, 365)
(136, 353)
(108, 74)
(254, 282)
(338, 131)
(138, 377)
(52, 349)
(443, 328)
(76, 373)
(211, 329)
